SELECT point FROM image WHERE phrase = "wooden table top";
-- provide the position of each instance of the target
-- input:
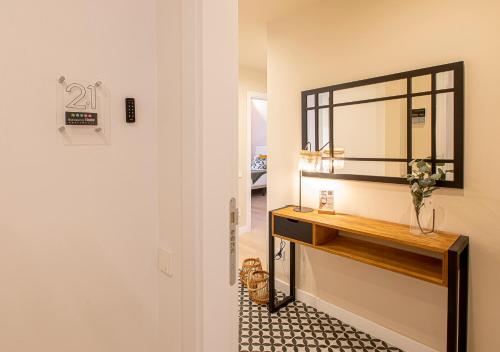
(438, 242)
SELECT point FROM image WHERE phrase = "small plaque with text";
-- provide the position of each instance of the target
(80, 118)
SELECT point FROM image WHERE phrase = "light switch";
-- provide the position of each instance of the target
(165, 262)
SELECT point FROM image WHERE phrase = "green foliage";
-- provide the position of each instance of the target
(422, 182)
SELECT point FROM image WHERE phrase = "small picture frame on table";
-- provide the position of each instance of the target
(326, 202)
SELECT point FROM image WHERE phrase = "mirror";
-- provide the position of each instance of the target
(445, 80)
(311, 129)
(323, 128)
(380, 124)
(324, 99)
(379, 127)
(421, 84)
(444, 125)
(447, 169)
(373, 168)
(421, 127)
(311, 101)
(371, 91)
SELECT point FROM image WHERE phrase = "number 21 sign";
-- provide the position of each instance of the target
(83, 112)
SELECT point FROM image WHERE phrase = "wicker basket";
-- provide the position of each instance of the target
(258, 286)
(249, 265)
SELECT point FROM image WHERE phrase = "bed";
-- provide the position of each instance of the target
(259, 169)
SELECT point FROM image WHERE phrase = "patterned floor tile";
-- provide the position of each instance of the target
(299, 328)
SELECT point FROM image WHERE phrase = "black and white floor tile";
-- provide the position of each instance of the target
(299, 328)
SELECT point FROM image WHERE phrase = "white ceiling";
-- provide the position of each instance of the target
(254, 15)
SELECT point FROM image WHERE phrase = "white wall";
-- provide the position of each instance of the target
(258, 113)
(342, 41)
(78, 225)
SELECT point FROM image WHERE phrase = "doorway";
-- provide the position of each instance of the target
(253, 233)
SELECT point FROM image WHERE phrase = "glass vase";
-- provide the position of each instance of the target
(423, 223)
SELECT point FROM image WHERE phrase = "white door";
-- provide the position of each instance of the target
(220, 149)
(210, 145)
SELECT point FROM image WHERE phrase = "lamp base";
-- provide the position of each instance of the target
(303, 209)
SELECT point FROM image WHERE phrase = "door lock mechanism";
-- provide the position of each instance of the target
(233, 222)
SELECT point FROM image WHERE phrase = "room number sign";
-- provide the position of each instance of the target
(83, 109)
(79, 102)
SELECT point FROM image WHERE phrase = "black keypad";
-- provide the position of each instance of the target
(130, 110)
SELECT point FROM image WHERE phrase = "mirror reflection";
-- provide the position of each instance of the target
(421, 127)
(447, 169)
(372, 130)
(324, 99)
(421, 84)
(323, 128)
(373, 168)
(311, 101)
(444, 80)
(444, 125)
(311, 128)
(371, 91)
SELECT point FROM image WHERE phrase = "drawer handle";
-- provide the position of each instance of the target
(293, 220)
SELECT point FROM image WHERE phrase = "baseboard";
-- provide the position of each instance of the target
(363, 324)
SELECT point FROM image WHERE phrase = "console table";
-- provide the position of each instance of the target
(440, 258)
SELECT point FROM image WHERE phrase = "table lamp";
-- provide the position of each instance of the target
(310, 162)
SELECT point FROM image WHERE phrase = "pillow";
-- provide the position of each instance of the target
(259, 163)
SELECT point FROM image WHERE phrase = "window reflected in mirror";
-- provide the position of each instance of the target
(311, 128)
(444, 80)
(324, 99)
(311, 101)
(379, 125)
(323, 128)
(445, 125)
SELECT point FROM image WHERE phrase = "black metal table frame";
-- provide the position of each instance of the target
(458, 289)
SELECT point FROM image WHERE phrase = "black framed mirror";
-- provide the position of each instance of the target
(372, 128)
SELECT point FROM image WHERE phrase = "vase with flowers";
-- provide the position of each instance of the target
(422, 184)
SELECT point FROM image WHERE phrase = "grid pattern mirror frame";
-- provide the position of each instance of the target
(316, 101)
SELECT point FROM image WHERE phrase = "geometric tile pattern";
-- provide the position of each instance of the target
(299, 328)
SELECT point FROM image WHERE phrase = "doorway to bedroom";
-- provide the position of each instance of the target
(254, 232)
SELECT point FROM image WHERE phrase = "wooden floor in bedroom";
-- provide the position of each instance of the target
(254, 244)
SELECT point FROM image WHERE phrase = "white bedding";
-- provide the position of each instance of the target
(261, 182)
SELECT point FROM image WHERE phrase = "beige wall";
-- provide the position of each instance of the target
(340, 41)
(78, 224)
(250, 80)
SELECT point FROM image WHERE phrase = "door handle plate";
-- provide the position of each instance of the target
(233, 222)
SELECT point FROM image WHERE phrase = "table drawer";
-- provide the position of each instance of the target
(293, 229)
